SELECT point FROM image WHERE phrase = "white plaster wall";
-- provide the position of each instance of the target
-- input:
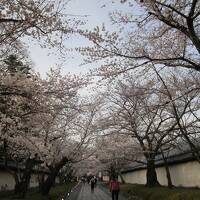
(119, 179)
(34, 181)
(161, 174)
(6, 181)
(135, 177)
(186, 174)
(100, 174)
(105, 178)
(57, 180)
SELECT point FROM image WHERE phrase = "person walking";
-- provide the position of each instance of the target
(92, 183)
(95, 181)
(114, 188)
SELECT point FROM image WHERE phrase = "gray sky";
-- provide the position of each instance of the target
(98, 14)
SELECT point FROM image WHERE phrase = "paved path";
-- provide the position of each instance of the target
(83, 192)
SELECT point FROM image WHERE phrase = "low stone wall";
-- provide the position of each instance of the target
(7, 181)
(184, 174)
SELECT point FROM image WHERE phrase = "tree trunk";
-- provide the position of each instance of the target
(193, 35)
(169, 180)
(121, 177)
(49, 182)
(41, 178)
(54, 170)
(5, 153)
(151, 173)
(22, 185)
(112, 171)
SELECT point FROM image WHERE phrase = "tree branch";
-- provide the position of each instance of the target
(4, 20)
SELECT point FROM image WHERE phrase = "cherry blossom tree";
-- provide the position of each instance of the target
(46, 21)
(139, 111)
(114, 152)
(72, 139)
(182, 96)
(165, 33)
(17, 103)
(34, 118)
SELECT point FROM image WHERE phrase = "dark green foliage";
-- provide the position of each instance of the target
(13, 65)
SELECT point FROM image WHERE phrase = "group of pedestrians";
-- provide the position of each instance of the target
(114, 185)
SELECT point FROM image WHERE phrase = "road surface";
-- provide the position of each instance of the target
(83, 192)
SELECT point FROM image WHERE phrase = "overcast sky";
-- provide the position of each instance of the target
(98, 14)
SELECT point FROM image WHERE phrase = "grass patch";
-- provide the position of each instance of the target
(55, 193)
(161, 193)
